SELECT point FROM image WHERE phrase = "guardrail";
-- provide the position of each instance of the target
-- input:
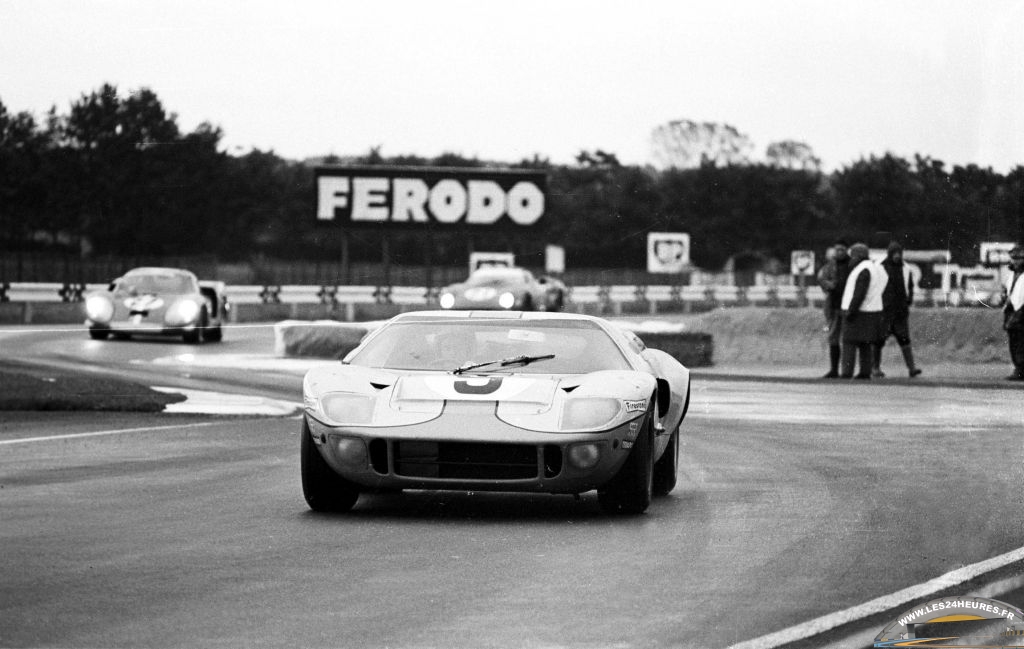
(607, 299)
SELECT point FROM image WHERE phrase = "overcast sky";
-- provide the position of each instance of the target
(507, 80)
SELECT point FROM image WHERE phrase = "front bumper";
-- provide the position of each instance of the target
(468, 449)
(141, 327)
(465, 304)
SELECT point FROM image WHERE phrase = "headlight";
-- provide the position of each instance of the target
(346, 408)
(506, 301)
(447, 300)
(99, 308)
(589, 413)
(182, 312)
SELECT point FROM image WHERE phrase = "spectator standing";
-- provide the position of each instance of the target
(896, 300)
(862, 312)
(1013, 312)
(828, 266)
(832, 279)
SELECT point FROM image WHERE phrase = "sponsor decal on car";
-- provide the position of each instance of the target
(633, 430)
(480, 293)
(636, 406)
(144, 303)
(526, 335)
(478, 386)
(956, 621)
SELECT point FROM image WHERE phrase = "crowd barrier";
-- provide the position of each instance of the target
(604, 299)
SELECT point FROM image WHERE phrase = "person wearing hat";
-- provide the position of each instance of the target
(1013, 312)
(896, 300)
(862, 312)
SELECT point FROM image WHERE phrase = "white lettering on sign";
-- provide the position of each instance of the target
(525, 203)
(486, 201)
(447, 201)
(409, 196)
(371, 199)
(332, 193)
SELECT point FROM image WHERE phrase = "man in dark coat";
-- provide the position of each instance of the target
(832, 279)
(896, 301)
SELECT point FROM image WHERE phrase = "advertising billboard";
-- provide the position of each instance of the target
(668, 252)
(424, 196)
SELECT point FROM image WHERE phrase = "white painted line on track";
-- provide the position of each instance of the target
(221, 403)
(98, 433)
(880, 604)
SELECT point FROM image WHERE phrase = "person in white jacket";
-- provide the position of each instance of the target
(862, 312)
(1013, 312)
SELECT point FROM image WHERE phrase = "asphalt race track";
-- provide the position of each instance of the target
(798, 500)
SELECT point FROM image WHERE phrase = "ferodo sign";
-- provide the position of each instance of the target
(413, 196)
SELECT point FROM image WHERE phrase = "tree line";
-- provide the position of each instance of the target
(116, 175)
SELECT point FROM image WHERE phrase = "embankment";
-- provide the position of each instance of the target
(738, 335)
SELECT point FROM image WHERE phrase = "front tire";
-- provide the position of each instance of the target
(196, 335)
(323, 489)
(664, 479)
(559, 302)
(98, 333)
(213, 334)
(629, 492)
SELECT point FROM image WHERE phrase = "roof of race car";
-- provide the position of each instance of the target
(414, 316)
(499, 271)
(497, 315)
(158, 270)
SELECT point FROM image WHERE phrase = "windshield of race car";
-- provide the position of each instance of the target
(576, 347)
(488, 276)
(157, 284)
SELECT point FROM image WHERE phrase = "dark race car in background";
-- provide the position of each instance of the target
(158, 301)
(507, 288)
(534, 402)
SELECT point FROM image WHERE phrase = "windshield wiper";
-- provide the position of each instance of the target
(503, 362)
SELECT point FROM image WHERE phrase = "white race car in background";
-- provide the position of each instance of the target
(158, 301)
(504, 288)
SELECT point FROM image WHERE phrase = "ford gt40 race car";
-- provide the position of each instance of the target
(158, 301)
(474, 401)
(508, 288)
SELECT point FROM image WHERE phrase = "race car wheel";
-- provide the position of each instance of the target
(323, 489)
(629, 492)
(213, 334)
(664, 479)
(527, 303)
(97, 333)
(195, 336)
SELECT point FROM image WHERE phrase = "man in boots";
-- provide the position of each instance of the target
(1013, 311)
(832, 279)
(862, 312)
(896, 301)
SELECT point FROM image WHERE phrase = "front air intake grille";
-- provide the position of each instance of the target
(465, 460)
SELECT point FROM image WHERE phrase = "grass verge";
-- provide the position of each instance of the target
(25, 387)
